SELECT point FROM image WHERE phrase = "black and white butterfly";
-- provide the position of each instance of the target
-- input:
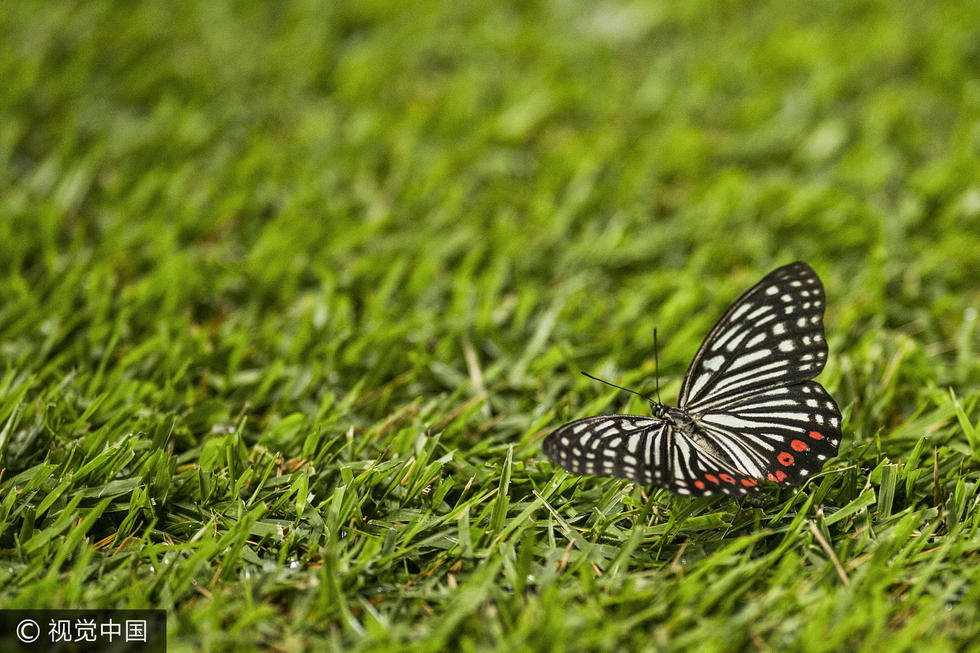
(748, 410)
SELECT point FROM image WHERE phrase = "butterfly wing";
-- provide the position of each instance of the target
(702, 471)
(749, 389)
(783, 434)
(627, 446)
(771, 336)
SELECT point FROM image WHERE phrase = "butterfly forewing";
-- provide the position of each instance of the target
(771, 336)
(626, 446)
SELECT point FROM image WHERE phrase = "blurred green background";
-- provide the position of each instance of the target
(290, 293)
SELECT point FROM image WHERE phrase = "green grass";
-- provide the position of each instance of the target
(289, 297)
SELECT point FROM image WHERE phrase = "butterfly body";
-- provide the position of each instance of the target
(748, 411)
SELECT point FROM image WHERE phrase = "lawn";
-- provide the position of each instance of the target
(291, 294)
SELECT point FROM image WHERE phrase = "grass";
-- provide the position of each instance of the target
(290, 295)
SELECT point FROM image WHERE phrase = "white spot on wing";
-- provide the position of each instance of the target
(714, 364)
(740, 310)
(699, 383)
(737, 339)
(759, 311)
(750, 358)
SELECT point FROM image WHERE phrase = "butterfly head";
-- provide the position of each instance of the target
(658, 409)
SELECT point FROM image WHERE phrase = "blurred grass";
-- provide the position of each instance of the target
(290, 294)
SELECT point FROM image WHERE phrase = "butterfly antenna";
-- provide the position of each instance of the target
(656, 363)
(638, 394)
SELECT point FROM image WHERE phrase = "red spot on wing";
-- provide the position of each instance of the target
(727, 478)
(816, 435)
(699, 485)
(778, 476)
(799, 445)
(712, 478)
(748, 482)
(785, 459)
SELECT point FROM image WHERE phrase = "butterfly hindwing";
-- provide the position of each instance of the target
(626, 446)
(704, 475)
(771, 336)
(782, 434)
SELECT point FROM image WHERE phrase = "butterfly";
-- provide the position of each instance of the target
(748, 410)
